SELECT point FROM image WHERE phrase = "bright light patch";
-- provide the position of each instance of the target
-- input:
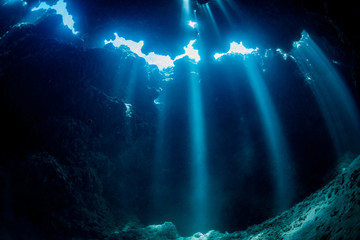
(236, 48)
(135, 47)
(190, 52)
(268, 53)
(303, 41)
(157, 101)
(60, 8)
(284, 54)
(218, 55)
(128, 110)
(162, 62)
(14, 1)
(192, 24)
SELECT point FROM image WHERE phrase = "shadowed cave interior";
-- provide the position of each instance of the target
(186, 119)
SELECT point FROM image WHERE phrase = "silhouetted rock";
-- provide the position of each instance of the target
(65, 124)
(82, 138)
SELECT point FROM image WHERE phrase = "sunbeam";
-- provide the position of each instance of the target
(198, 153)
(179, 120)
(129, 99)
(186, 11)
(160, 159)
(205, 8)
(334, 99)
(275, 138)
(234, 7)
(225, 12)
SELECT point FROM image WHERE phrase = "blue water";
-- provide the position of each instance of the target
(332, 95)
(241, 134)
(280, 159)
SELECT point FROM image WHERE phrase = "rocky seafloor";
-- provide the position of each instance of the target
(333, 212)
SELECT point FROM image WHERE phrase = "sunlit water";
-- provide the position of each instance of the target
(334, 99)
(274, 134)
(332, 95)
(199, 166)
(60, 8)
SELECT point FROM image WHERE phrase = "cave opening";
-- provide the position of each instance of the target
(208, 114)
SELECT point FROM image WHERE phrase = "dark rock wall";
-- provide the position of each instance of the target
(64, 128)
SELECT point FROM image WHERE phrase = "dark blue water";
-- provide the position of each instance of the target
(100, 136)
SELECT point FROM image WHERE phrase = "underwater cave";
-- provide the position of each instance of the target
(186, 119)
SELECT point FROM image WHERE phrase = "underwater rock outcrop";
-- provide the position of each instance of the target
(333, 212)
(163, 231)
(67, 135)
